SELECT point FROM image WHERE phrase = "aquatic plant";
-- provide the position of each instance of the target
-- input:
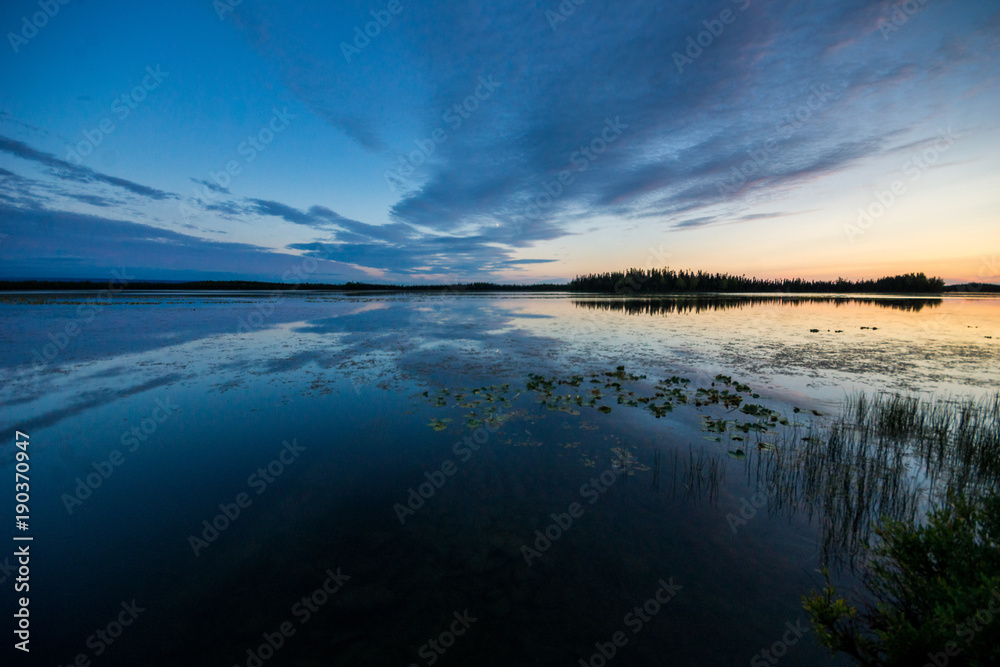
(887, 457)
(930, 592)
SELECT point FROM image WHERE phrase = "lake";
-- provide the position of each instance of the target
(447, 478)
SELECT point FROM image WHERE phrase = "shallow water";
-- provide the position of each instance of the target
(341, 379)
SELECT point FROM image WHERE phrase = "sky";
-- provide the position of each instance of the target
(511, 141)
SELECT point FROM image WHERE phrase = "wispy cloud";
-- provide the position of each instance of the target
(687, 130)
(43, 243)
(77, 173)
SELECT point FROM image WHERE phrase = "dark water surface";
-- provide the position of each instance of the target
(319, 413)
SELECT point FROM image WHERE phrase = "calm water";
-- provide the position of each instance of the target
(320, 413)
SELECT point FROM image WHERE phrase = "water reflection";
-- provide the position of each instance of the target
(359, 382)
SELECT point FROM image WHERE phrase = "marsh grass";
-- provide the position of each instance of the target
(702, 474)
(887, 456)
(956, 442)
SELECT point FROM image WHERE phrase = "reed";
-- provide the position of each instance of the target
(887, 456)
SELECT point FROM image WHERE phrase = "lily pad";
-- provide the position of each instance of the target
(437, 424)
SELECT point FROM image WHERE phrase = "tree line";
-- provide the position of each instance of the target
(670, 281)
(647, 281)
(252, 285)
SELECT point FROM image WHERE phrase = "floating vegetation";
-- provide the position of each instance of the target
(886, 455)
(665, 395)
(713, 396)
(482, 405)
(622, 461)
(601, 390)
(439, 424)
(714, 425)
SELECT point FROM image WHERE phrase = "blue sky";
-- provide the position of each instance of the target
(512, 141)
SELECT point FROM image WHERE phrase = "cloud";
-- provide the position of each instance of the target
(712, 134)
(279, 210)
(400, 248)
(62, 244)
(687, 130)
(214, 187)
(76, 173)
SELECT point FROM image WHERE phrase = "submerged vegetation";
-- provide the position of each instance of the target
(670, 281)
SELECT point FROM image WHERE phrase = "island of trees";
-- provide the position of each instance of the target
(669, 281)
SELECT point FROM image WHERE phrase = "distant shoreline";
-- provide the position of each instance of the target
(568, 288)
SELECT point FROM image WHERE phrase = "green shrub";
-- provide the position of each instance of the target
(932, 593)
